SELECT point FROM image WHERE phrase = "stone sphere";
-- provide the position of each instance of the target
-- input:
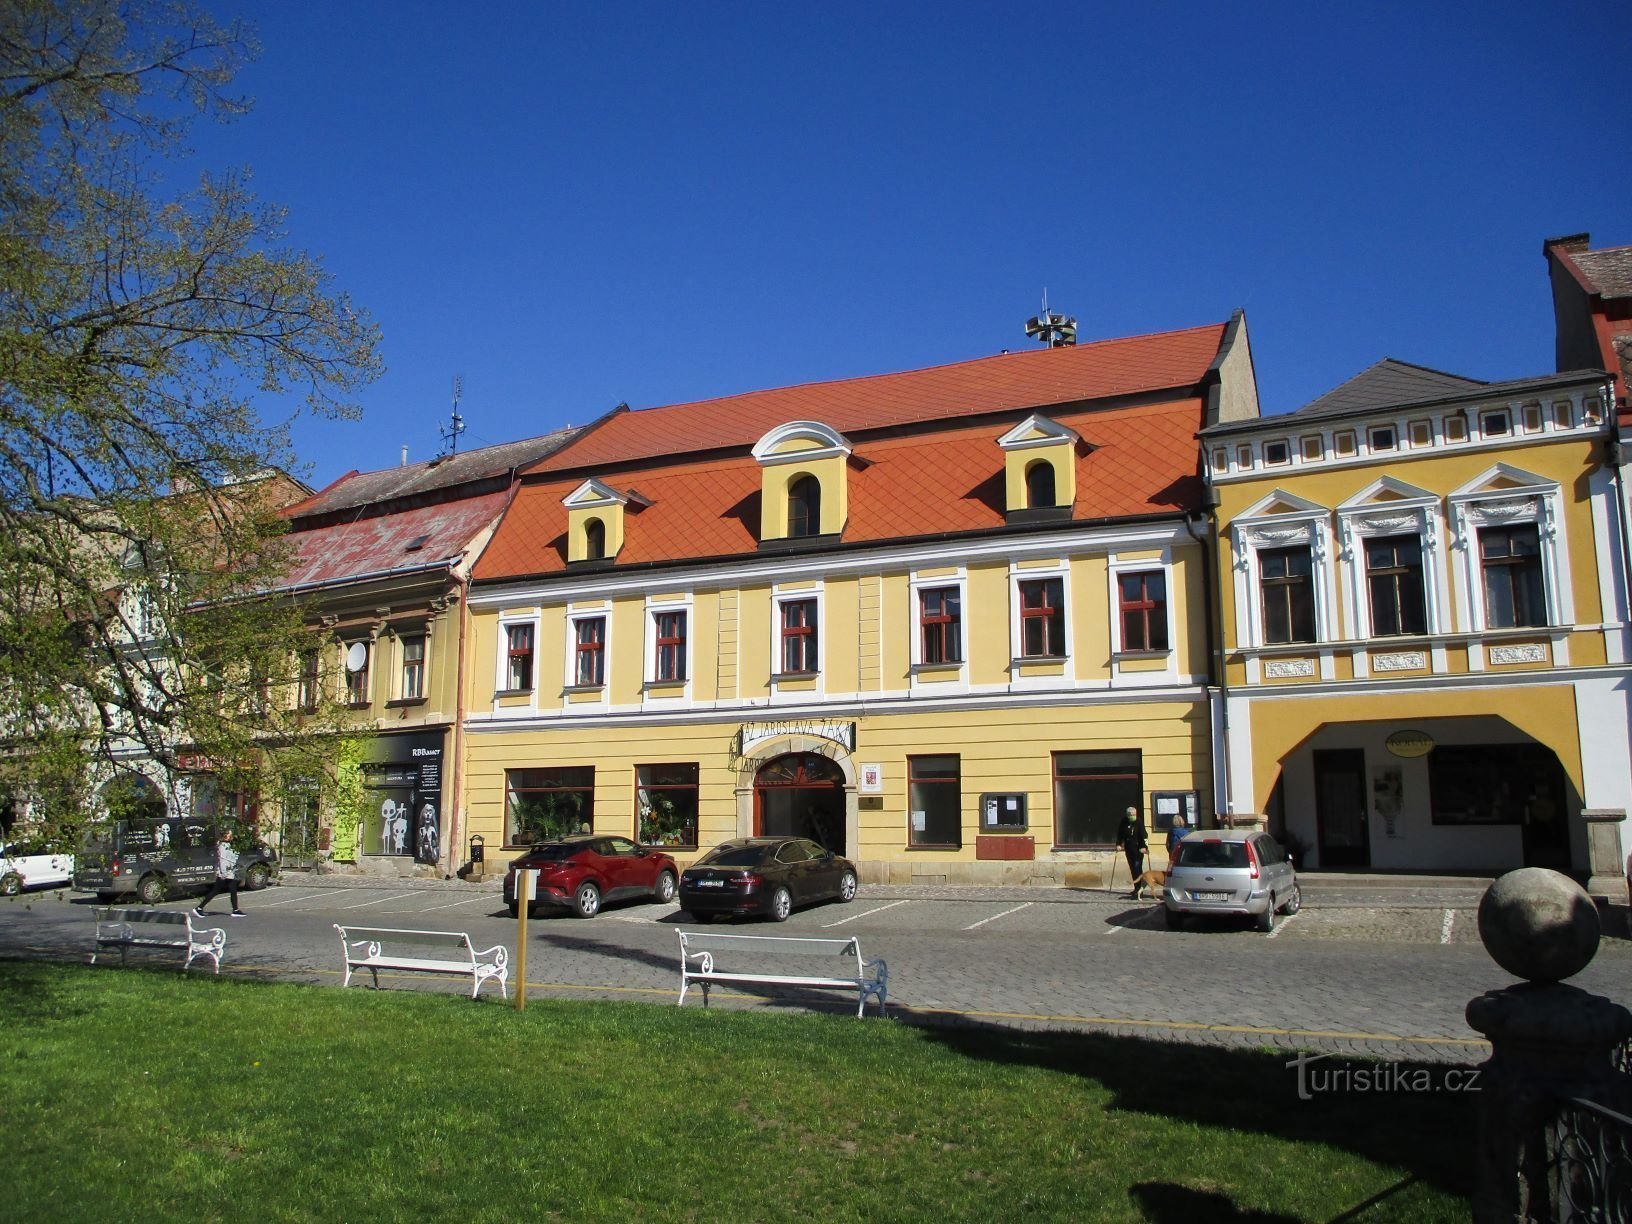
(1538, 924)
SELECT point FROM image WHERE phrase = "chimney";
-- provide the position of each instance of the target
(404, 455)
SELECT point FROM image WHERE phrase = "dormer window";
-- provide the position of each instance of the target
(1040, 486)
(594, 540)
(805, 507)
(1040, 469)
(596, 517)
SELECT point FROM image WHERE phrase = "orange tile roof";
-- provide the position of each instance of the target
(1145, 462)
(1032, 378)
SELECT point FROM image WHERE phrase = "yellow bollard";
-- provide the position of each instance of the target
(525, 892)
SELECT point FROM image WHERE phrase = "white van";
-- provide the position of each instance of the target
(19, 870)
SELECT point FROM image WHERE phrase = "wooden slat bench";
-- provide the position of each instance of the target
(701, 954)
(126, 928)
(376, 948)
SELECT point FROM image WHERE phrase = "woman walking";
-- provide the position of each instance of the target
(226, 877)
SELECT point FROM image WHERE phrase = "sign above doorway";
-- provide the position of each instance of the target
(1410, 744)
(756, 733)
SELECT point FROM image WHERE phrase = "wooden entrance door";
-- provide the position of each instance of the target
(1340, 807)
(801, 795)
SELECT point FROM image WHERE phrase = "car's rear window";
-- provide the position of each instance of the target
(555, 850)
(97, 837)
(733, 856)
(1193, 853)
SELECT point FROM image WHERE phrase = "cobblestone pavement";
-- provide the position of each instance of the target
(1377, 972)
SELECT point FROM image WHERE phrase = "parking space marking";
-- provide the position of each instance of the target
(1281, 926)
(867, 914)
(305, 896)
(461, 901)
(1445, 927)
(995, 917)
(378, 900)
(1140, 923)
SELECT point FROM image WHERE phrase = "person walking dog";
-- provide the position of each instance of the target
(226, 877)
(1130, 835)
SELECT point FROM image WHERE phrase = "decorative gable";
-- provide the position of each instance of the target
(1039, 466)
(1386, 490)
(804, 481)
(595, 521)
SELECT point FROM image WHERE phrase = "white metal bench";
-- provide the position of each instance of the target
(753, 962)
(376, 948)
(154, 928)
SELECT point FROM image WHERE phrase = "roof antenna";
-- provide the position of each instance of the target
(1054, 330)
(456, 425)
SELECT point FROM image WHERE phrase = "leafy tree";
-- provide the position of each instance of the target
(139, 487)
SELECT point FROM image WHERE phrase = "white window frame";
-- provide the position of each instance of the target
(1017, 575)
(1413, 511)
(917, 584)
(400, 653)
(577, 613)
(785, 595)
(1529, 499)
(1255, 532)
(501, 672)
(1117, 566)
(654, 607)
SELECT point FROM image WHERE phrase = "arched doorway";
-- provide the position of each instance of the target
(801, 795)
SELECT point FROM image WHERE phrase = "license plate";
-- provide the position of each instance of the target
(710, 883)
(1211, 896)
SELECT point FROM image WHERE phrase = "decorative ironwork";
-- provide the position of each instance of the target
(1591, 1163)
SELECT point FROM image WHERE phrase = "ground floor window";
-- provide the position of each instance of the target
(934, 802)
(544, 804)
(666, 803)
(1091, 791)
(1495, 784)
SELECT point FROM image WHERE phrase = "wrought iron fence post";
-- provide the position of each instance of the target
(1548, 1040)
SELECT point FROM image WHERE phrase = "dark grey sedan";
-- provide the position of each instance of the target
(765, 875)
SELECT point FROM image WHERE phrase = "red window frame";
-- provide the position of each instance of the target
(670, 663)
(589, 655)
(799, 637)
(941, 631)
(1047, 613)
(1144, 615)
(518, 676)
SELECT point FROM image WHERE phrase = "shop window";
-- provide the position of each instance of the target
(413, 666)
(1042, 619)
(799, 637)
(1394, 582)
(308, 690)
(940, 625)
(805, 507)
(934, 802)
(518, 660)
(1514, 592)
(594, 540)
(1143, 600)
(357, 677)
(1040, 486)
(669, 661)
(589, 651)
(1288, 595)
(547, 804)
(666, 805)
(1488, 784)
(1091, 791)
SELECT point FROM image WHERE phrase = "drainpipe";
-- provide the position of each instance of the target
(1217, 672)
(456, 808)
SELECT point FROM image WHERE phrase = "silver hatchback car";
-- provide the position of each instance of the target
(1242, 872)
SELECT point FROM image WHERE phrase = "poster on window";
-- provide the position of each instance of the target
(427, 833)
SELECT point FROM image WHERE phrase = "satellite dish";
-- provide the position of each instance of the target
(356, 657)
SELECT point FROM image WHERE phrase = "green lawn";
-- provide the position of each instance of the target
(130, 1094)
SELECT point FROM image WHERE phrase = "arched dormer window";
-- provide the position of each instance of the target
(805, 507)
(1040, 486)
(594, 540)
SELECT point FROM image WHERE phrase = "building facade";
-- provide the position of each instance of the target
(949, 622)
(1424, 623)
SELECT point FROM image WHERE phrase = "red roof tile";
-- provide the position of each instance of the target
(379, 544)
(1144, 462)
(1033, 378)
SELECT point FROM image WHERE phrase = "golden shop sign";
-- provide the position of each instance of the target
(755, 733)
(1410, 743)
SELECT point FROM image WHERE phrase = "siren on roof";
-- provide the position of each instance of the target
(1054, 330)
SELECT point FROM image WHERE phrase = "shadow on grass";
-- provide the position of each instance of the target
(1165, 1203)
(31, 992)
(1426, 1134)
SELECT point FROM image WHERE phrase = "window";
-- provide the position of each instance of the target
(1288, 596)
(1144, 610)
(1313, 446)
(1091, 791)
(589, 653)
(357, 678)
(546, 804)
(940, 620)
(1511, 560)
(1042, 619)
(413, 667)
(934, 802)
(518, 662)
(805, 507)
(1040, 485)
(308, 688)
(670, 662)
(594, 540)
(1394, 579)
(1277, 452)
(666, 804)
(799, 636)
(1383, 438)
(1486, 784)
(1496, 424)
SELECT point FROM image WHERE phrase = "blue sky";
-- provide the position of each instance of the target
(572, 206)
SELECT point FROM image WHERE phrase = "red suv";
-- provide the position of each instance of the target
(582, 872)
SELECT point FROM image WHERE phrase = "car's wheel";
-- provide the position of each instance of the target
(1266, 920)
(1293, 903)
(515, 910)
(664, 892)
(11, 885)
(1174, 919)
(847, 886)
(258, 877)
(781, 904)
(152, 889)
(586, 902)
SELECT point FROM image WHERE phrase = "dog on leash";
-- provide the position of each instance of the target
(1149, 884)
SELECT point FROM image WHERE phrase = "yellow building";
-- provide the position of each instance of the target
(1423, 620)
(949, 622)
